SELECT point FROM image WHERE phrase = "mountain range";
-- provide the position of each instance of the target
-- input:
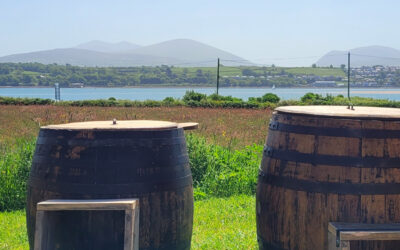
(184, 53)
(180, 52)
(362, 56)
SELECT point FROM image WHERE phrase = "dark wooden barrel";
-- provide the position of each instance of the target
(328, 164)
(98, 160)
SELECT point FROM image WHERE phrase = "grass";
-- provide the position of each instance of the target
(217, 171)
(316, 71)
(225, 223)
(237, 70)
(220, 172)
(15, 162)
(234, 128)
(219, 223)
(13, 230)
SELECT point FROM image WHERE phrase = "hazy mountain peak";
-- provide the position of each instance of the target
(362, 56)
(180, 52)
(190, 51)
(107, 47)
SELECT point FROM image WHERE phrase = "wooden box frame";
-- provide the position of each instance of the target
(341, 233)
(130, 206)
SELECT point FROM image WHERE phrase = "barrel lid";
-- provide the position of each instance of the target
(115, 125)
(343, 111)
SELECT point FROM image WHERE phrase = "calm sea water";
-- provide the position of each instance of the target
(161, 93)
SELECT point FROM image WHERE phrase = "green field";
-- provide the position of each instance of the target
(316, 71)
(237, 71)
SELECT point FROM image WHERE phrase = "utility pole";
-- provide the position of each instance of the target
(348, 75)
(217, 76)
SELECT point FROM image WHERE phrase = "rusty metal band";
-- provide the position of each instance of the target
(103, 189)
(337, 116)
(335, 132)
(112, 142)
(93, 173)
(329, 187)
(333, 160)
(123, 160)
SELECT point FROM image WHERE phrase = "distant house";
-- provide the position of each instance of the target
(364, 84)
(324, 84)
(76, 85)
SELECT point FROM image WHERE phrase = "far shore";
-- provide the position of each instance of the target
(208, 87)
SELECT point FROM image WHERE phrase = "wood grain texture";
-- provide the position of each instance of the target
(342, 111)
(119, 125)
(114, 204)
(150, 165)
(188, 125)
(341, 234)
(371, 235)
(343, 178)
(40, 230)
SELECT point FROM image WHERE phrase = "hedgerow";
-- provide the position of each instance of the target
(194, 99)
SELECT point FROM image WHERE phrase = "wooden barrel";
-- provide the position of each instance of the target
(101, 160)
(328, 164)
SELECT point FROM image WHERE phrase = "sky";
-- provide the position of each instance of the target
(288, 33)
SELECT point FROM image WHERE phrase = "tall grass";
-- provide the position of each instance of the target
(233, 127)
(15, 162)
(217, 171)
(220, 171)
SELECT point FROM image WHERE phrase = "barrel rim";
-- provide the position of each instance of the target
(125, 125)
(327, 111)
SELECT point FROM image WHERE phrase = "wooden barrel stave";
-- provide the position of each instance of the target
(71, 164)
(320, 169)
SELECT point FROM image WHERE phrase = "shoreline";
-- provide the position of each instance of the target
(195, 87)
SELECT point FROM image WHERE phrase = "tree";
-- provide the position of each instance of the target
(248, 72)
(199, 73)
(314, 65)
(193, 96)
(343, 66)
(270, 97)
(310, 97)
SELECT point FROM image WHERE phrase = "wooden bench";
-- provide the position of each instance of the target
(340, 234)
(130, 206)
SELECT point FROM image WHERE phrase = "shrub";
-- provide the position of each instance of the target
(216, 97)
(193, 99)
(219, 171)
(270, 97)
(24, 101)
(169, 100)
(191, 95)
(310, 97)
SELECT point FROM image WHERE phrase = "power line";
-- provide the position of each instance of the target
(198, 62)
(382, 57)
(282, 58)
